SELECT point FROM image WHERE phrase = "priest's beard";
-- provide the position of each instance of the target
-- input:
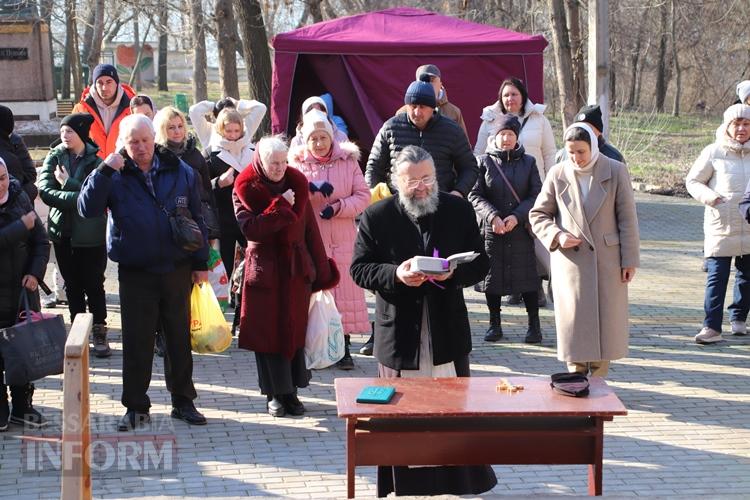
(420, 207)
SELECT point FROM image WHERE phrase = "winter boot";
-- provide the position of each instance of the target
(101, 346)
(542, 300)
(495, 331)
(4, 409)
(534, 333)
(346, 363)
(23, 412)
(368, 346)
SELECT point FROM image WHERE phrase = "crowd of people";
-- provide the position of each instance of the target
(125, 176)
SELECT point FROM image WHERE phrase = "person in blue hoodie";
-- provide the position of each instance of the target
(140, 186)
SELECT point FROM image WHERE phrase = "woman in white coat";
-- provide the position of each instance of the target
(536, 137)
(718, 179)
(586, 216)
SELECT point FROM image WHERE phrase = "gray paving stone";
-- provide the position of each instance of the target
(687, 433)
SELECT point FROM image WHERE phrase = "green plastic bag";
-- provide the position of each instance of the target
(209, 330)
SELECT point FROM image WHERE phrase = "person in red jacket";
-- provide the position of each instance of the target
(108, 101)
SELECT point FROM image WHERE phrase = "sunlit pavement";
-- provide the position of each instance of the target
(687, 432)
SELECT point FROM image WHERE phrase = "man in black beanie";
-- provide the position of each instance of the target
(15, 154)
(107, 100)
(591, 115)
(455, 165)
(420, 125)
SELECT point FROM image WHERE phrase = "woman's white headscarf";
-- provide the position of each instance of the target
(594, 144)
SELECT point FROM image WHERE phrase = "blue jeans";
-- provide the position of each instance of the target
(716, 289)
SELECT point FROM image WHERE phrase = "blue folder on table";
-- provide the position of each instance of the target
(376, 394)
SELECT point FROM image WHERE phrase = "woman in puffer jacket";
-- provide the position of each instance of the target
(718, 179)
(24, 252)
(338, 194)
(536, 137)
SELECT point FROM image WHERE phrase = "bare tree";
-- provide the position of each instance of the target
(95, 49)
(676, 62)
(163, 46)
(71, 52)
(200, 82)
(662, 78)
(573, 18)
(563, 61)
(315, 12)
(227, 44)
(257, 56)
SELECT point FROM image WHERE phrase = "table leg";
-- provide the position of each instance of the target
(595, 469)
(350, 426)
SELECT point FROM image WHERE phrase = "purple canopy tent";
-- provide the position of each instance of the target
(367, 61)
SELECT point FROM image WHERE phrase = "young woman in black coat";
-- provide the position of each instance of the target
(24, 252)
(505, 191)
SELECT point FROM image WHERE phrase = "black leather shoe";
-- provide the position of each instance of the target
(276, 407)
(133, 420)
(494, 333)
(292, 404)
(368, 346)
(188, 413)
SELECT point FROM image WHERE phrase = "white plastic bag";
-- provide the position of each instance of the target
(324, 342)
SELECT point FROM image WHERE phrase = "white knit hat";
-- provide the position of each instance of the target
(743, 91)
(736, 111)
(307, 105)
(313, 121)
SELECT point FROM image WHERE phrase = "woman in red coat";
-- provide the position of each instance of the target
(285, 262)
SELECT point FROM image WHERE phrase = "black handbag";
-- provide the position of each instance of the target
(34, 347)
(570, 384)
(185, 231)
(211, 220)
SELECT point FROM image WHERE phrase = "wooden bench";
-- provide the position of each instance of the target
(468, 421)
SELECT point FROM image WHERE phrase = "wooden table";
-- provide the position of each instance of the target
(467, 421)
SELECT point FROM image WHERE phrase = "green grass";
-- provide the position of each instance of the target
(660, 148)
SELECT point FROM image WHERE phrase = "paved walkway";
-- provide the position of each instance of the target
(687, 432)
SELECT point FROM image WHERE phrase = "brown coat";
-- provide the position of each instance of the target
(591, 302)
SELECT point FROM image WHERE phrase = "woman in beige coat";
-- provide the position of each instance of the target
(586, 216)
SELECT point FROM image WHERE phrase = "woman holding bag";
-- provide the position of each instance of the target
(285, 262)
(24, 252)
(332, 165)
(505, 191)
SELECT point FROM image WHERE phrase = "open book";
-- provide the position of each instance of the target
(438, 265)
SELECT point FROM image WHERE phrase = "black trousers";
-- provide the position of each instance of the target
(530, 301)
(83, 269)
(147, 300)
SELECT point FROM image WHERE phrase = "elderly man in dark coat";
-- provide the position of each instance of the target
(141, 189)
(505, 192)
(420, 221)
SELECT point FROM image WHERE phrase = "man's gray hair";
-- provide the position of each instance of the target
(132, 122)
(271, 144)
(411, 155)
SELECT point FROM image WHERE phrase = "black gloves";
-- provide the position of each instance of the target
(327, 212)
(326, 188)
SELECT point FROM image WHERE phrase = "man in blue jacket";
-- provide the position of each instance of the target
(140, 186)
